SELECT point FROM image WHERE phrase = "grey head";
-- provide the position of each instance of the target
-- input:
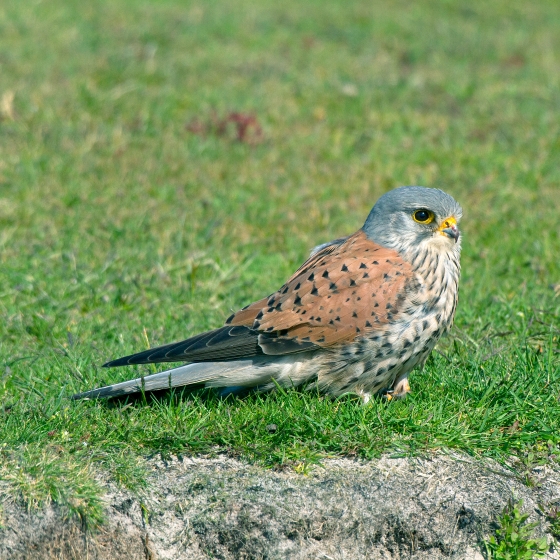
(409, 218)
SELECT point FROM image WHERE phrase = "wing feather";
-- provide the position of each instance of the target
(345, 290)
(225, 343)
(342, 291)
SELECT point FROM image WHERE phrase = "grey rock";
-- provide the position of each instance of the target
(420, 509)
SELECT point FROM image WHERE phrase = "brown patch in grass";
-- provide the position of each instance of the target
(235, 126)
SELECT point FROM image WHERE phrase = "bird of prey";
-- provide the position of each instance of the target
(356, 317)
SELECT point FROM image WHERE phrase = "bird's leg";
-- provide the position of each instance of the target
(400, 388)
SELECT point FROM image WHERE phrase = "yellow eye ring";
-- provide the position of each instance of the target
(423, 216)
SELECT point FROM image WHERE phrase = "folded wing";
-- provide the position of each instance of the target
(343, 291)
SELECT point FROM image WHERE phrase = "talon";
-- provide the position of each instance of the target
(401, 388)
(387, 394)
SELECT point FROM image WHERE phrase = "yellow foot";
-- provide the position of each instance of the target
(399, 390)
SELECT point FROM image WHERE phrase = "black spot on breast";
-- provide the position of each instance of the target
(230, 318)
(297, 286)
(362, 265)
(354, 314)
(376, 304)
(304, 312)
(269, 329)
(337, 318)
(344, 268)
(425, 325)
(352, 282)
(374, 262)
(325, 274)
(270, 310)
(368, 324)
(283, 332)
(386, 277)
(407, 343)
(422, 261)
(260, 315)
(311, 277)
(314, 291)
(285, 289)
(322, 339)
(358, 329)
(388, 306)
(331, 322)
(297, 301)
(332, 286)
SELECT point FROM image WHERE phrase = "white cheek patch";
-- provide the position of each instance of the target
(441, 240)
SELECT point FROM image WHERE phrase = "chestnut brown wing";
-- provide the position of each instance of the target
(341, 292)
(338, 294)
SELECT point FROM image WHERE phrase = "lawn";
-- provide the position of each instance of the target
(164, 163)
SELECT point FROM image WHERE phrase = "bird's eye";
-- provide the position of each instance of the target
(423, 216)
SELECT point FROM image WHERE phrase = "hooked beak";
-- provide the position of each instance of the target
(449, 227)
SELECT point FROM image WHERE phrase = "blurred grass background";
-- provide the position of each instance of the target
(163, 163)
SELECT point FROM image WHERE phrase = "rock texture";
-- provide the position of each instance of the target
(433, 509)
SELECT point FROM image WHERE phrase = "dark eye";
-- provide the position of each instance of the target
(423, 216)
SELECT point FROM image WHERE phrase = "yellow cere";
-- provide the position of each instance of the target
(447, 223)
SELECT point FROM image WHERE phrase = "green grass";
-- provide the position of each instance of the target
(514, 538)
(128, 219)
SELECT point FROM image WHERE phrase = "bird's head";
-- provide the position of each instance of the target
(410, 218)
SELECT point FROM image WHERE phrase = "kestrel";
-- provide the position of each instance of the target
(357, 317)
